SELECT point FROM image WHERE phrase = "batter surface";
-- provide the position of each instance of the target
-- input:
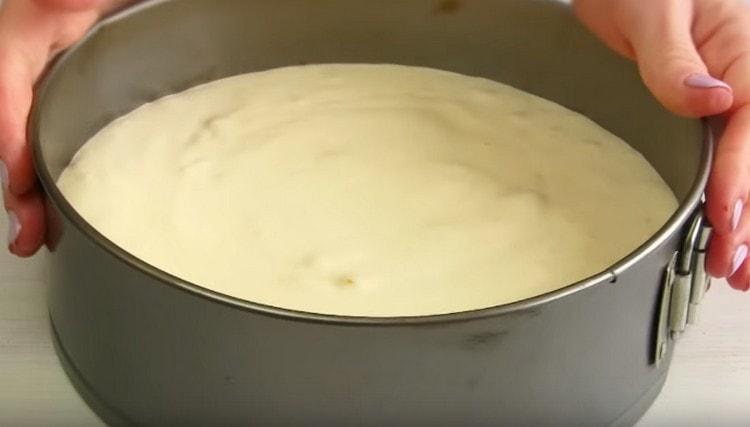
(367, 190)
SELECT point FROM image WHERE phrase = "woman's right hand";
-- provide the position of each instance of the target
(31, 32)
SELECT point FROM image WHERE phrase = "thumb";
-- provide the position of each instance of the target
(670, 64)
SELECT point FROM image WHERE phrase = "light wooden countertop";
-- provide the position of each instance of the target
(709, 383)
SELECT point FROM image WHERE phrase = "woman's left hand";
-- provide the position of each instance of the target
(694, 55)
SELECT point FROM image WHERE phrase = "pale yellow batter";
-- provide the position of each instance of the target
(367, 190)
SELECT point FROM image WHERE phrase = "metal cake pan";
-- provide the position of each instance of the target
(144, 347)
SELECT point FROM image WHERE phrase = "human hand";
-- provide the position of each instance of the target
(31, 32)
(694, 56)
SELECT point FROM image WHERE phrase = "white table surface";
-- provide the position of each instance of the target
(708, 385)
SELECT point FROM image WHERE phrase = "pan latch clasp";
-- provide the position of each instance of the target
(685, 283)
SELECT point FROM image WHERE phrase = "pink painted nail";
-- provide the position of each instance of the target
(704, 81)
(14, 227)
(737, 215)
(739, 258)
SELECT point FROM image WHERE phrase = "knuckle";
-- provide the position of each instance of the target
(680, 57)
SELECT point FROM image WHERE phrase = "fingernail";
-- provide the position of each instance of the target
(737, 215)
(14, 227)
(704, 81)
(739, 258)
(4, 177)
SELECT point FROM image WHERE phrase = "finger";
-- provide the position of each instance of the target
(738, 267)
(725, 47)
(669, 62)
(741, 279)
(725, 255)
(727, 252)
(15, 101)
(22, 56)
(597, 16)
(26, 226)
(26, 40)
(729, 183)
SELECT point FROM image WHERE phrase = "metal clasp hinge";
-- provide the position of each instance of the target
(685, 284)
